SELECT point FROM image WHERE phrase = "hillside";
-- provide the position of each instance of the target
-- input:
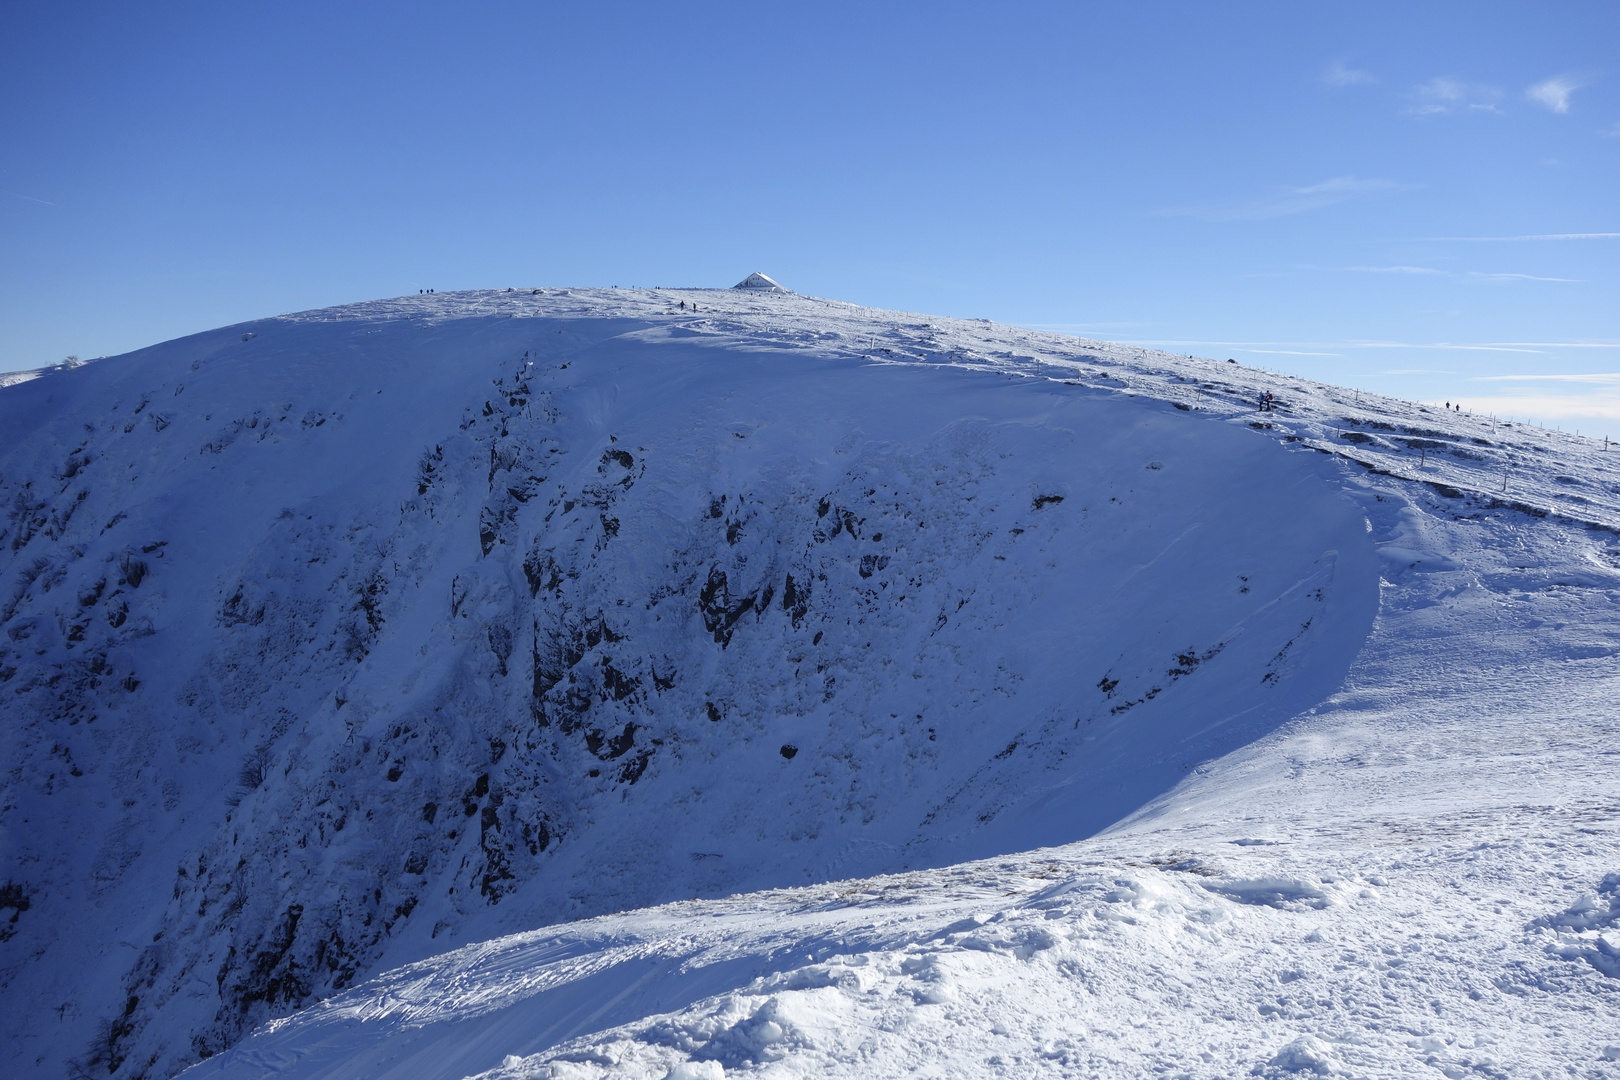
(346, 640)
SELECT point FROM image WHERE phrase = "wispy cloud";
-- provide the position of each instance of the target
(30, 198)
(1477, 275)
(1289, 200)
(1554, 93)
(1339, 73)
(1511, 239)
(1597, 378)
(1594, 395)
(1443, 95)
(1450, 346)
(1564, 344)
(1398, 270)
(1611, 133)
(1601, 406)
(1520, 277)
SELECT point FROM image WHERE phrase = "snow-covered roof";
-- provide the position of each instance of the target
(757, 280)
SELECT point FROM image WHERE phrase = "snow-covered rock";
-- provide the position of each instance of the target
(340, 641)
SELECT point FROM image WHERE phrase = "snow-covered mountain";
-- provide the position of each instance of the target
(344, 640)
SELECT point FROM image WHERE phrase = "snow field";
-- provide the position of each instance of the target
(455, 551)
(1407, 882)
(1182, 964)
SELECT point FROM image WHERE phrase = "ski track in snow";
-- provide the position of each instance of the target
(1355, 706)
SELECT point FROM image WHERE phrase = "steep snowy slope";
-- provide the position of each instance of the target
(340, 639)
(1419, 877)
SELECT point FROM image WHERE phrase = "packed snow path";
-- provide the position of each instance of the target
(563, 602)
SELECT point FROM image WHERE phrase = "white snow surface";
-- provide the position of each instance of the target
(801, 690)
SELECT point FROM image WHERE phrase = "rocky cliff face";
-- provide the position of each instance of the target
(339, 639)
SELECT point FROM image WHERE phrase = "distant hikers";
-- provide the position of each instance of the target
(683, 305)
(1267, 402)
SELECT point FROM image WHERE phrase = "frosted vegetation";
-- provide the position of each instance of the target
(702, 683)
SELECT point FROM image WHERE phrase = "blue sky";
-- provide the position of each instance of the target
(1421, 199)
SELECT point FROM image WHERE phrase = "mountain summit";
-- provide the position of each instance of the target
(356, 638)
